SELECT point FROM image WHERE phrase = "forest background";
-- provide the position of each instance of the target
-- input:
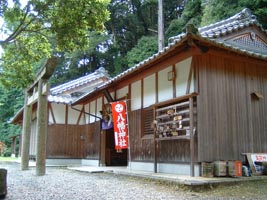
(86, 35)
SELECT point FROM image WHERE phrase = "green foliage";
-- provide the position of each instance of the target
(10, 102)
(216, 10)
(259, 8)
(145, 48)
(44, 28)
(191, 14)
(81, 62)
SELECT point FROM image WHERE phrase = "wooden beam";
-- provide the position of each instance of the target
(192, 138)
(26, 133)
(189, 79)
(45, 73)
(41, 130)
(80, 116)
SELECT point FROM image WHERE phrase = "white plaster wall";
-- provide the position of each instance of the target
(86, 109)
(121, 93)
(99, 107)
(73, 115)
(149, 90)
(182, 73)
(136, 95)
(50, 118)
(59, 111)
(165, 87)
(92, 111)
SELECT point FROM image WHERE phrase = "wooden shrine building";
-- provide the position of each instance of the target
(202, 98)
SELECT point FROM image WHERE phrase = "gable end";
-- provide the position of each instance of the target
(250, 41)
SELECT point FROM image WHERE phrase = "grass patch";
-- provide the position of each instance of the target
(7, 159)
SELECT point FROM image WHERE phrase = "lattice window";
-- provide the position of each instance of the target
(147, 121)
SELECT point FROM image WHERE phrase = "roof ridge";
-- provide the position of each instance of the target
(242, 16)
(101, 72)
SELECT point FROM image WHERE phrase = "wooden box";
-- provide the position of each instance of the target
(220, 168)
(207, 169)
(234, 168)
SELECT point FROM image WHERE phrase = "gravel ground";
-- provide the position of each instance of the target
(61, 184)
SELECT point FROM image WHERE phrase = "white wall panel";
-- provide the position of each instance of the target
(86, 109)
(73, 115)
(182, 74)
(164, 85)
(122, 92)
(59, 111)
(92, 111)
(99, 108)
(149, 90)
(136, 95)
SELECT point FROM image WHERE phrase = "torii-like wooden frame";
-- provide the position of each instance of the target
(37, 92)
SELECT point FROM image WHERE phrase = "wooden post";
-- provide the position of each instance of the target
(13, 147)
(160, 25)
(26, 133)
(41, 129)
(192, 138)
(155, 155)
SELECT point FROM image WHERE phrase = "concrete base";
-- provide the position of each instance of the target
(88, 162)
(179, 169)
(62, 162)
(68, 162)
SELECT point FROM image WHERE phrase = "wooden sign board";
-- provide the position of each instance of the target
(256, 161)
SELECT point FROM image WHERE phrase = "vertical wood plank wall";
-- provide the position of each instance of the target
(141, 149)
(230, 119)
(73, 141)
(171, 151)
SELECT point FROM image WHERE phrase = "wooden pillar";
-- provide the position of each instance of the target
(160, 25)
(102, 148)
(41, 129)
(13, 147)
(26, 133)
(192, 138)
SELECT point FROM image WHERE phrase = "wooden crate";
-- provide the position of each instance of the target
(234, 168)
(220, 168)
(207, 169)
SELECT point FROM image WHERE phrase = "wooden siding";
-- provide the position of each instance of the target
(142, 148)
(230, 120)
(93, 141)
(73, 141)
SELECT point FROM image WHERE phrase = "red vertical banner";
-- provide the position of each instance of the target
(120, 124)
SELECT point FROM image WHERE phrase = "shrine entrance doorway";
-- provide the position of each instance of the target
(112, 156)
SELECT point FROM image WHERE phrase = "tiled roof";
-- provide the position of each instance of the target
(210, 34)
(63, 92)
(239, 21)
(64, 99)
(98, 74)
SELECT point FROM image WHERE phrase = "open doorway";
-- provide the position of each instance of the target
(112, 156)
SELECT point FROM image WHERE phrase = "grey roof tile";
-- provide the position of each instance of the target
(98, 74)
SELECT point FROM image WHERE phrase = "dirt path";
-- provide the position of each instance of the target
(61, 183)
